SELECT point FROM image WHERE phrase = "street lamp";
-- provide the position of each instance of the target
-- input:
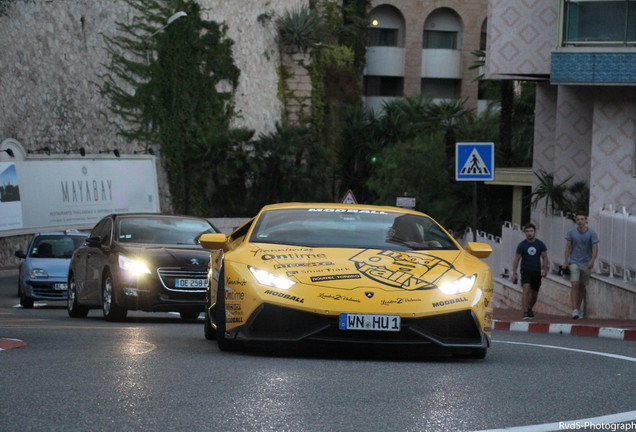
(171, 20)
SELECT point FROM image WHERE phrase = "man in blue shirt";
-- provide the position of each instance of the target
(581, 249)
(533, 255)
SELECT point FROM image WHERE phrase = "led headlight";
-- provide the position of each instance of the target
(461, 285)
(132, 266)
(266, 278)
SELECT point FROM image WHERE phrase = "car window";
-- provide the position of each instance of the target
(103, 229)
(350, 228)
(162, 230)
(55, 246)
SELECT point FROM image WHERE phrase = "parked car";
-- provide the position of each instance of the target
(140, 261)
(350, 274)
(43, 271)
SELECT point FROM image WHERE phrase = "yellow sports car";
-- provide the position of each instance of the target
(347, 273)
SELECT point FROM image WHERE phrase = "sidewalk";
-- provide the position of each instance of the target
(508, 319)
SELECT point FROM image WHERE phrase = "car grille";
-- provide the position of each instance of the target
(169, 275)
(46, 290)
(279, 323)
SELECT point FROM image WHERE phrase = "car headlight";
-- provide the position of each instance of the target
(461, 285)
(266, 278)
(132, 266)
(38, 273)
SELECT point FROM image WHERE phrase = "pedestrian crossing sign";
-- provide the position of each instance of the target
(474, 161)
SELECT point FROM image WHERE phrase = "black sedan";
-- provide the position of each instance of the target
(140, 261)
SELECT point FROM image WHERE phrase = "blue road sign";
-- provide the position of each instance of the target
(474, 161)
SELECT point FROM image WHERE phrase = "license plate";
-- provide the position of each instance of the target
(191, 283)
(59, 286)
(369, 322)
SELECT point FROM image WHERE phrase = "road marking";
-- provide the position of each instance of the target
(592, 422)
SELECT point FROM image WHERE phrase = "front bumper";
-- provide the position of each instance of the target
(157, 293)
(275, 323)
(45, 289)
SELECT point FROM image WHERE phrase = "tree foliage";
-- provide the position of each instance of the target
(175, 86)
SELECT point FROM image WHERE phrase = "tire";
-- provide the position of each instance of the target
(19, 283)
(25, 302)
(189, 315)
(72, 305)
(219, 318)
(112, 311)
(210, 332)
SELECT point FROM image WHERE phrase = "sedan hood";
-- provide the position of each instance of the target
(168, 255)
(358, 268)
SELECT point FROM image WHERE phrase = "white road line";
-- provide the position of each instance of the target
(599, 422)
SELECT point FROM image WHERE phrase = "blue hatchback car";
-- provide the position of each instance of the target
(43, 270)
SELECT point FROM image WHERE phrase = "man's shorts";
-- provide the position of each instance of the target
(579, 273)
(532, 277)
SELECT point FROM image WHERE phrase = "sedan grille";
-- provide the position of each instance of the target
(170, 275)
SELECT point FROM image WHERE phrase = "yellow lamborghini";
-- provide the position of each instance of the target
(347, 273)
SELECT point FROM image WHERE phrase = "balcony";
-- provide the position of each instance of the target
(441, 63)
(385, 61)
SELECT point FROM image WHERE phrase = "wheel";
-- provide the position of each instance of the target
(25, 302)
(219, 316)
(208, 329)
(19, 283)
(112, 311)
(189, 315)
(73, 307)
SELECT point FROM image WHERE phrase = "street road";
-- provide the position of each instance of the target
(157, 373)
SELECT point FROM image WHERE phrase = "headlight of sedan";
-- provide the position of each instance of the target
(38, 273)
(461, 285)
(132, 266)
(268, 279)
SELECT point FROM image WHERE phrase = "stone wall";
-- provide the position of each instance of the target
(52, 55)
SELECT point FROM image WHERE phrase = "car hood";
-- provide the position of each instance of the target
(55, 267)
(360, 268)
(193, 257)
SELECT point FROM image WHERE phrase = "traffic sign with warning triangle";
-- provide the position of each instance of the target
(474, 161)
(349, 198)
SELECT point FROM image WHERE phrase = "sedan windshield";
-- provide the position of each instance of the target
(55, 246)
(162, 230)
(350, 228)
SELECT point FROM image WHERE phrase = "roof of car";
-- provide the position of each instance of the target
(299, 205)
(62, 233)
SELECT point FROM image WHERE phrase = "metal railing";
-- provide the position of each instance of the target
(617, 248)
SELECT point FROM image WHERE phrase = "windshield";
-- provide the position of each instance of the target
(350, 228)
(162, 230)
(55, 246)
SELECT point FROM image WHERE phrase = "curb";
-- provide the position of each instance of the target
(566, 329)
(7, 344)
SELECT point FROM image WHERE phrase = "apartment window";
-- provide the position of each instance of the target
(383, 37)
(440, 39)
(440, 88)
(599, 22)
(383, 86)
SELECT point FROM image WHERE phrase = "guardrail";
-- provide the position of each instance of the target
(616, 231)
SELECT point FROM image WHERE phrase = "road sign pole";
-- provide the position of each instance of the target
(474, 211)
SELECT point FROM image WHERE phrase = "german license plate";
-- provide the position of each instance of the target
(191, 283)
(369, 322)
(59, 286)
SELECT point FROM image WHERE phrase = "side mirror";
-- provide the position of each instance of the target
(214, 241)
(480, 250)
(20, 254)
(94, 241)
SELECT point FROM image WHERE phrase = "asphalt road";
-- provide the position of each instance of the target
(157, 373)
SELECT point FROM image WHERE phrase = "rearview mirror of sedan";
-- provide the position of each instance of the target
(20, 254)
(480, 250)
(214, 241)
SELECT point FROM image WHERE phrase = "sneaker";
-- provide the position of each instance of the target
(530, 314)
(576, 314)
(526, 316)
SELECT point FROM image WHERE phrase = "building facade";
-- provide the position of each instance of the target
(424, 48)
(583, 56)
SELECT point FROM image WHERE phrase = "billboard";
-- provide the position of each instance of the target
(61, 193)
